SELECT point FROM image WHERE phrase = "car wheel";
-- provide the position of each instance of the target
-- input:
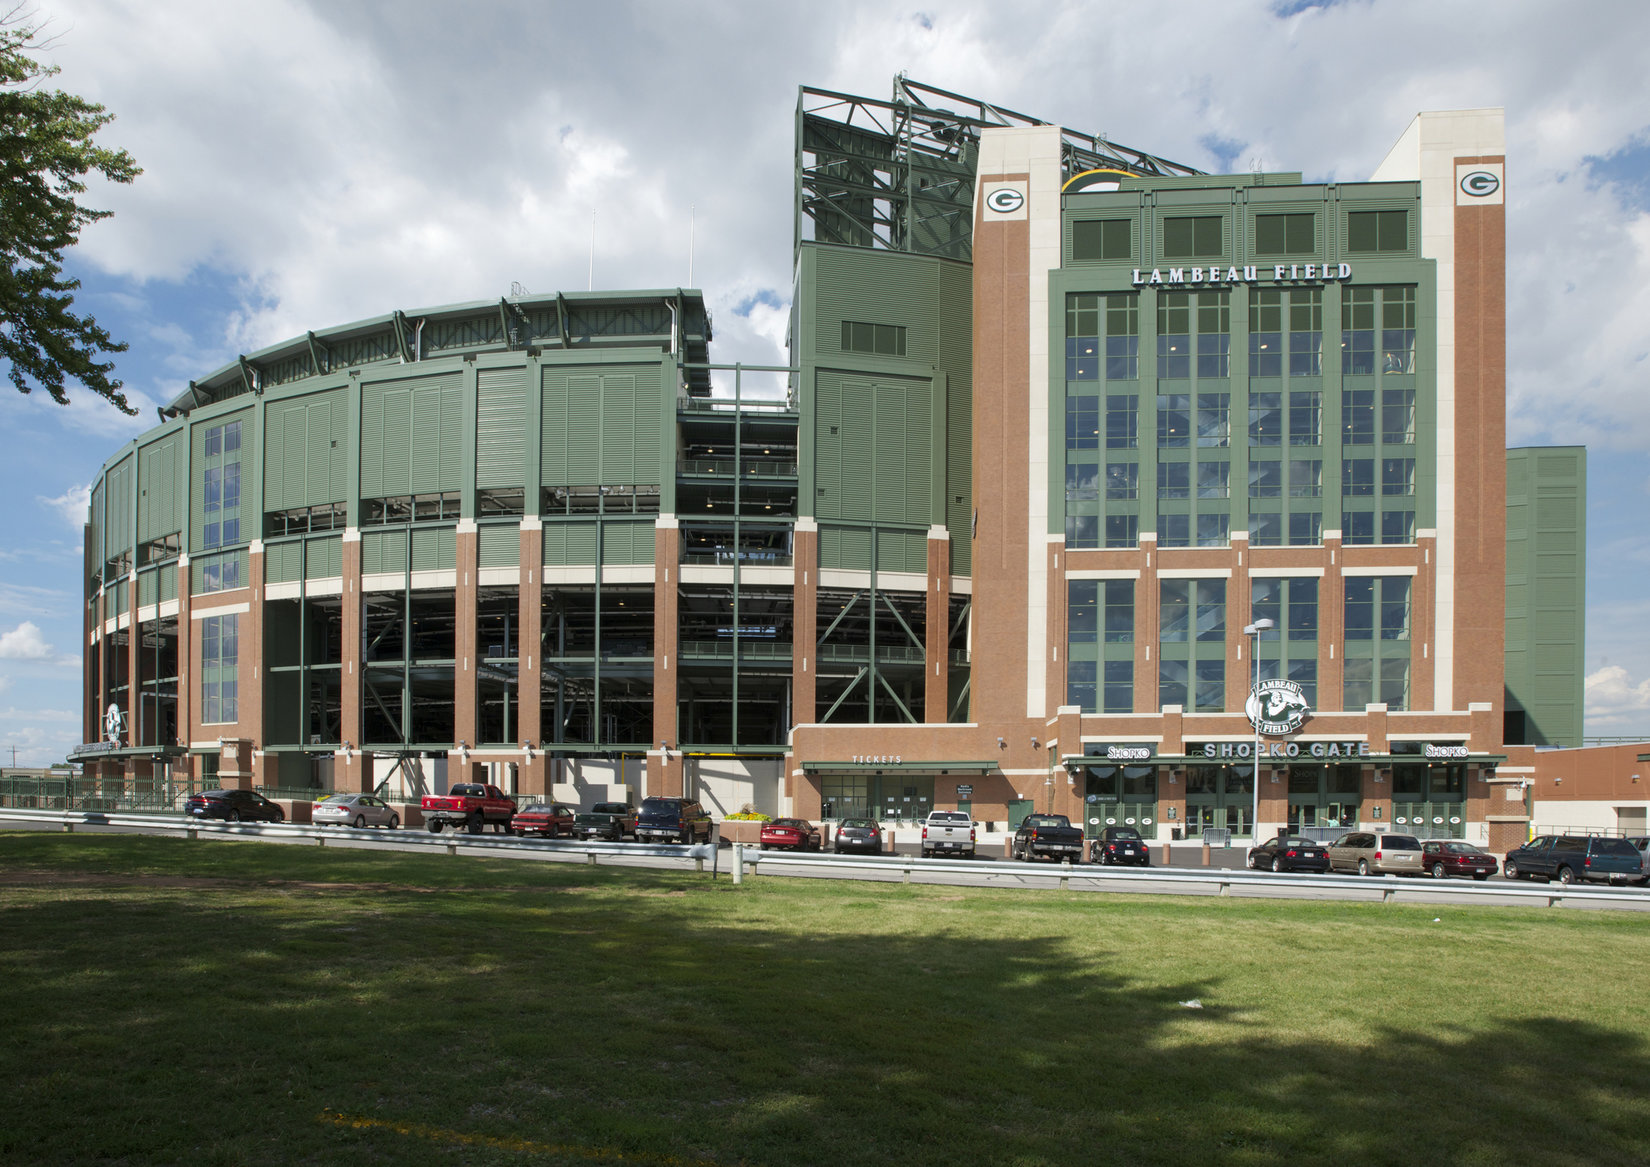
(435, 826)
(1566, 876)
(1363, 867)
(1438, 871)
(1511, 870)
(360, 822)
(1251, 863)
(474, 824)
(1277, 864)
(280, 817)
(395, 822)
(233, 816)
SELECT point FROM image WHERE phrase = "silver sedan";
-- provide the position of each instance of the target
(354, 810)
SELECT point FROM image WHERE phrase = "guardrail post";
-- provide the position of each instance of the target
(590, 858)
(68, 828)
(320, 840)
(905, 876)
(1225, 888)
(452, 849)
(192, 833)
(739, 863)
(1065, 874)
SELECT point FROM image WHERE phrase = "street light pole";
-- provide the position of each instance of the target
(1254, 630)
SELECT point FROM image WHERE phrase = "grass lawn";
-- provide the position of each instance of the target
(171, 1001)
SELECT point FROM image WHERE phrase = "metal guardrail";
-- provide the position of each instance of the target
(1244, 883)
(748, 861)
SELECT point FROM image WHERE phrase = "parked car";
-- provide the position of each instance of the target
(673, 820)
(948, 831)
(354, 810)
(1048, 836)
(1289, 853)
(613, 821)
(858, 835)
(233, 806)
(790, 835)
(1641, 844)
(471, 805)
(1442, 858)
(550, 819)
(1572, 858)
(1120, 845)
(1374, 853)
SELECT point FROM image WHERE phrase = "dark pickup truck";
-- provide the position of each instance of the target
(613, 821)
(1048, 836)
(1576, 858)
(470, 805)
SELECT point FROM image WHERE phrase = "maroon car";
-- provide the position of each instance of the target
(790, 835)
(550, 819)
(1442, 858)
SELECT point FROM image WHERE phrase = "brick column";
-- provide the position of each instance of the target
(529, 651)
(350, 679)
(464, 634)
(937, 654)
(664, 770)
(805, 621)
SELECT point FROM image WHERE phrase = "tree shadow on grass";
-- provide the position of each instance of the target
(650, 1014)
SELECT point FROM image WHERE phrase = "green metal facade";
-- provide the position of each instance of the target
(1546, 594)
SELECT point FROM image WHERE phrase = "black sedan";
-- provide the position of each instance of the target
(233, 806)
(1120, 845)
(1289, 853)
(858, 835)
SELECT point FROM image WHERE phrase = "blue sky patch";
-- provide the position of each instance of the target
(1627, 170)
(767, 297)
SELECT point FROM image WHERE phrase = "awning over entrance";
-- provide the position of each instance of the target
(896, 766)
(103, 751)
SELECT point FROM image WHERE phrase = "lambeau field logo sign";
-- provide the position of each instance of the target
(1276, 708)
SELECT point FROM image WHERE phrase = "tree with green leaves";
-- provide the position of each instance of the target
(46, 152)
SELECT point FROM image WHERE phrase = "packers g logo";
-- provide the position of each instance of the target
(1277, 707)
(1005, 200)
(1479, 184)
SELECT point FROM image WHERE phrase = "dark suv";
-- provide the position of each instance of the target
(1568, 858)
(673, 820)
(236, 806)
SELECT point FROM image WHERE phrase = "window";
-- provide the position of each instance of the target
(1171, 682)
(1265, 529)
(1083, 531)
(1214, 530)
(1192, 237)
(1174, 335)
(1214, 327)
(1082, 358)
(1305, 528)
(1398, 416)
(1174, 611)
(1357, 528)
(1357, 417)
(1370, 680)
(1122, 530)
(1265, 479)
(424, 508)
(883, 340)
(1080, 683)
(1397, 330)
(1357, 331)
(1290, 647)
(221, 487)
(220, 655)
(1265, 419)
(1122, 336)
(1306, 332)
(1174, 420)
(1082, 481)
(1210, 694)
(220, 573)
(1119, 686)
(1174, 480)
(1082, 422)
(1305, 479)
(1385, 596)
(1213, 479)
(1285, 234)
(1357, 477)
(1214, 419)
(1122, 480)
(1082, 611)
(1174, 530)
(1305, 417)
(1119, 618)
(1377, 230)
(1122, 420)
(1397, 526)
(1266, 333)
(1100, 239)
(1211, 609)
(1397, 476)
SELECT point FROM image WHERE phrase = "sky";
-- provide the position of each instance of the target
(306, 165)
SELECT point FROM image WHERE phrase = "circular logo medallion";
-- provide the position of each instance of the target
(1479, 184)
(1005, 200)
(1276, 708)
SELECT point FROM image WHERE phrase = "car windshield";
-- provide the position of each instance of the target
(661, 806)
(468, 789)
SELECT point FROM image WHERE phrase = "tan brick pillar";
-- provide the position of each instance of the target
(805, 622)
(464, 634)
(937, 654)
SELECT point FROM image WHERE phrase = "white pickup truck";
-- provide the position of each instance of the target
(948, 831)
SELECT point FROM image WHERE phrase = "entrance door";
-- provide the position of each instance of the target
(1018, 808)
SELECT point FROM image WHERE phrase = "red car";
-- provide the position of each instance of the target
(550, 819)
(790, 835)
(1442, 858)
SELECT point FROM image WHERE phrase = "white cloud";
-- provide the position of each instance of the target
(1614, 699)
(24, 643)
(72, 504)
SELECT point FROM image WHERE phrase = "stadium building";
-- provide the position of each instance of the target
(1081, 456)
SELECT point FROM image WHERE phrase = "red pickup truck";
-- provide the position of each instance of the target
(471, 805)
